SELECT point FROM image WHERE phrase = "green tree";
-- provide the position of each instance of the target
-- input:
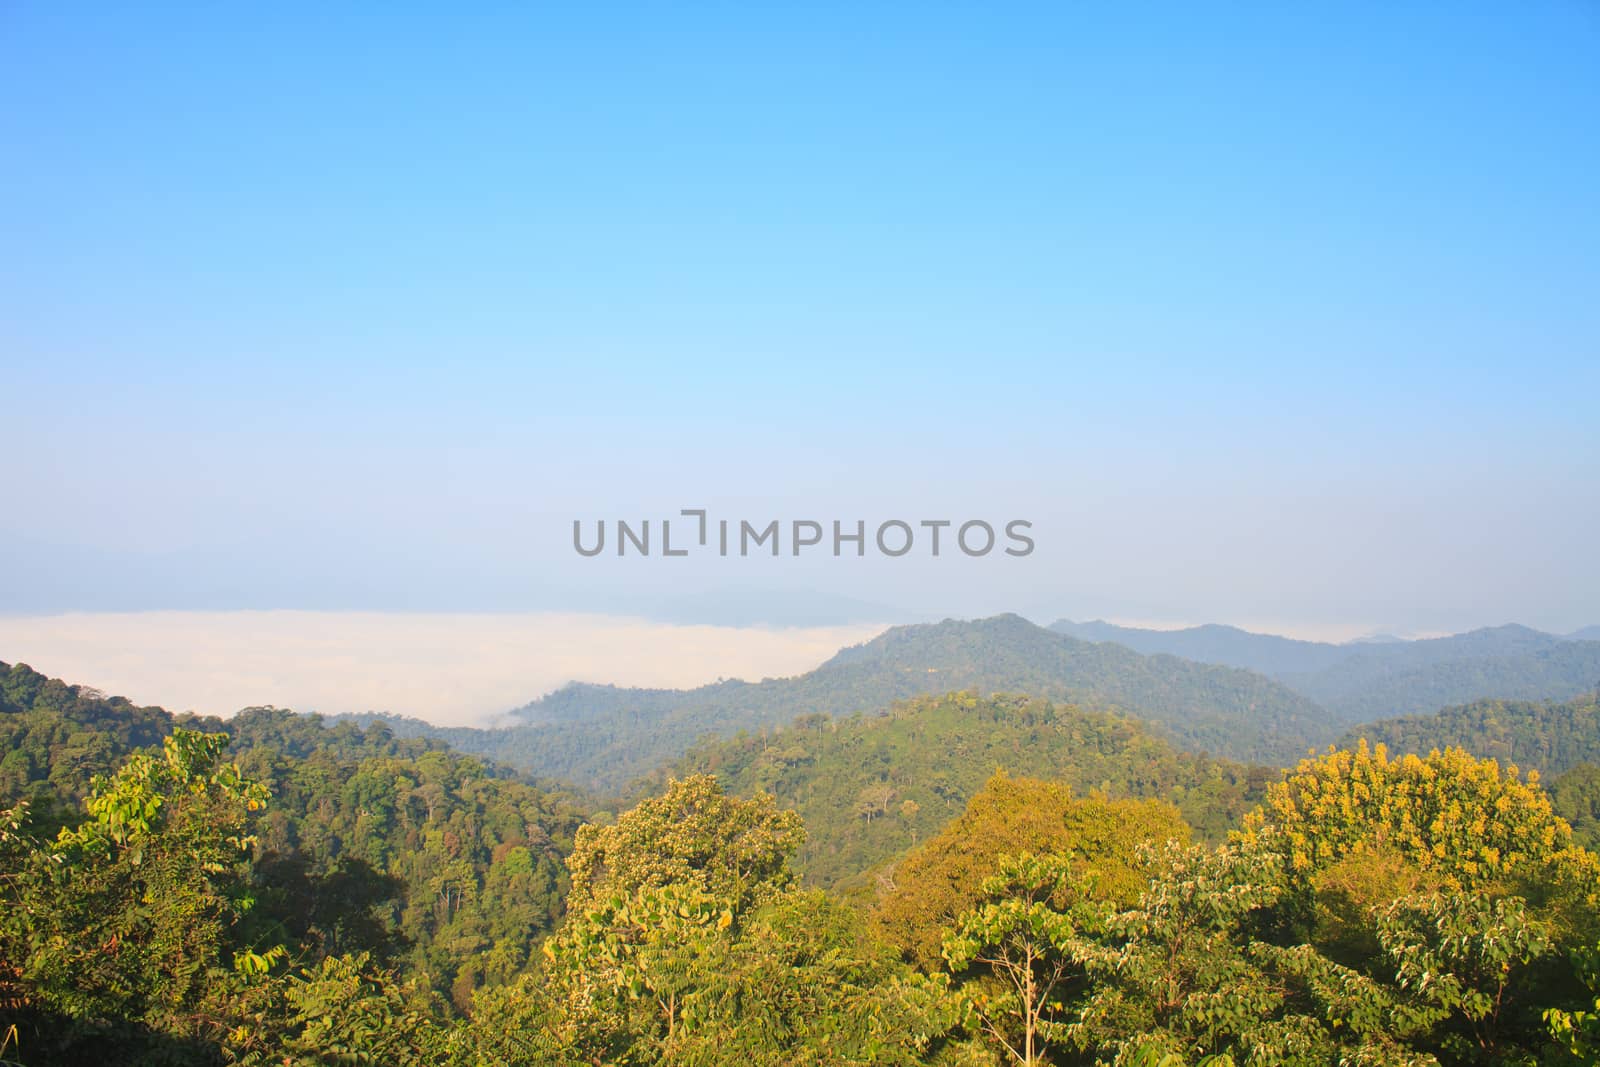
(1456, 960)
(691, 946)
(1022, 934)
(692, 835)
(128, 916)
(344, 1011)
(1575, 796)
(1577, 1032)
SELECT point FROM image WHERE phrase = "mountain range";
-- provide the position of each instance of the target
(606, 737)
(1215, 689)
(1361, 681)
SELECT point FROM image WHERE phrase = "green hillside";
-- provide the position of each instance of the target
(1546, 736)
(369, 842)
(607, 737)
(1376, 679)
(872, 786)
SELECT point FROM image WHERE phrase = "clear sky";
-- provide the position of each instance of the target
(1260, 313)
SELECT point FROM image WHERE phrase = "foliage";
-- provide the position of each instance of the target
(654, 968)
(1022, 932)
(694, 834)
(925, 892)
(57, 737)
(393, 846)
(342, 1011)
(851, 780)
(131, 915)
(336, 894)
(1577, 1032)
(1575, 796)
(410, 852)
(1187, 971)
(1457, 958)
(1545, 735)
(1463, 819)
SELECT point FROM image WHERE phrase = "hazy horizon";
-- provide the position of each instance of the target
(446, 668)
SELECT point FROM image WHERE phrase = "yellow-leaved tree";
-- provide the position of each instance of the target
(1358, 823)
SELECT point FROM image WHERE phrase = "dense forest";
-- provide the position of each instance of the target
(1557, 739)
(1547, 736)
(1576, 798)
(870, 787)
(606, 737)
(275, 889)
(424, 858)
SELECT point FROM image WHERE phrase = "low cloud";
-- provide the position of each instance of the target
(461, 669)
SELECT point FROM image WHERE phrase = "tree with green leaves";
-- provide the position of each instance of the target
(1575, 796)
(1179, 971)
(1576, 1032)
(346, 1011)
(687, 943)
(130, 915)
(1021, 936)
(1457, 961)
(693, 835)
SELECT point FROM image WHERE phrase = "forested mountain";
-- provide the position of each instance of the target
(1227, 645)
(607, 737)
(398, 847)
(1545, 736)
(871, 786)
(1588, 633)
(1361, 681)
(1503, 663)
(56, 737)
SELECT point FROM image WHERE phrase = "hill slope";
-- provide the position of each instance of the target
(1547, 736)
(363, 831)
(871, 787)
(609, 737)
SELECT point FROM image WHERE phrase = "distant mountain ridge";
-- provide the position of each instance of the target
(607, 737)
(1362, 681)
(1496, 663)
(1216, 643)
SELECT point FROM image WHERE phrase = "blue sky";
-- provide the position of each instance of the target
(1261, 313)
